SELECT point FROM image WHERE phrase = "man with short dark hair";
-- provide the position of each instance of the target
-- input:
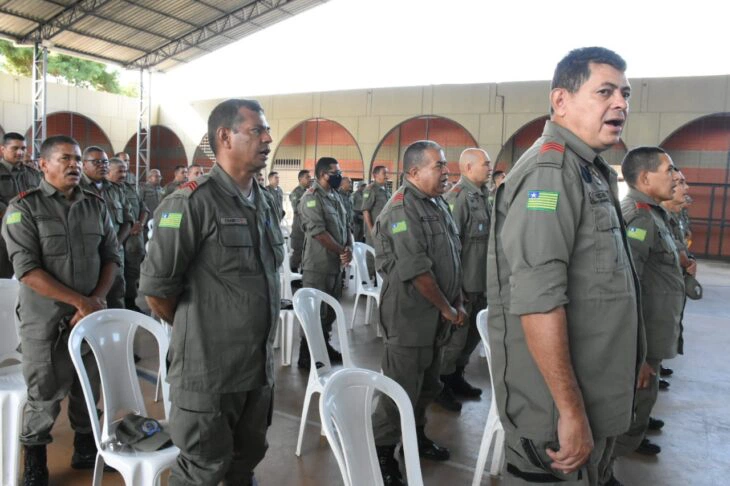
(181, 177)
(345, 192)
(327, 246)
(130, 177)
(195, 171)
(373, 200)
(94, 179)
(64, 251)
(151, 191)
(649, 172)
(357, 218)
(276, 191)
(15, 177)
(564, 322)
(212, 272)
(297, 233)
(470, 208)
(417, 253)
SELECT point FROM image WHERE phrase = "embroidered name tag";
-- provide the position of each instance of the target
(429, 218)
(598, 197)
(234, 221)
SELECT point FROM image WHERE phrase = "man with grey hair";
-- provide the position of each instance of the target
(151, 191)
(417, 253)
(564, 323)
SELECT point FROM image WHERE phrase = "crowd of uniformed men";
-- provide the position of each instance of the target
(586, 293)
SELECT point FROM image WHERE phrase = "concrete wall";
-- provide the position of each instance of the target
(116, 115)
(492, 113)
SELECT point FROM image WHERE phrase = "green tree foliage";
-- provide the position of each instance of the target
(75, 71)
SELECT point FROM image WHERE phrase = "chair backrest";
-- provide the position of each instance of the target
(346, 408)
(307, 303)
(110, 335)
(150, 228)
(9, 289)
(359, 258)
(484, 333)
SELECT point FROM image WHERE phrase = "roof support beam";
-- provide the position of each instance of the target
(144, 135)
(218, 27)
(40, 65)
(63, 20)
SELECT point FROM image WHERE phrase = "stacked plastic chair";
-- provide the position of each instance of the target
(364, 285)
(12, 385)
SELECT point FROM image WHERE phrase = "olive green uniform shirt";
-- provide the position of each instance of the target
(657, 264)
(15, 179)
(415, 234)
(171, 187)
(470, 209)
(558, 240)
(135, 243)
(346, 198)
(151, 196)
(219, 253)
(278, 198)
(374, 198)
(294, 198)
(70, 240)
(322, 211)
(116, 200)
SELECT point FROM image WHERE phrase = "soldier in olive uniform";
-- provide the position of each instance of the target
(345, 192)
(151, 192)
(649, 172)
(564, 319)
(181, 177)
(373, 200)
(357, 218)
(470, 209)
(276, 191)
(15, 177)
(327, 245)
(417, 252)
(297, 232)
(212, 272)
(96, 168)
(64, 251)
(134, 246)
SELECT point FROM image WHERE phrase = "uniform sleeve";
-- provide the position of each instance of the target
(640, 231)
(174, 244)
(368, 200)
(108, 250)
(538, 237)
(312, 214)
(403, 230)
(126, 204)
(22, 240)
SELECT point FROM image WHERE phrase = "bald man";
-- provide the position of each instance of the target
(468, 201)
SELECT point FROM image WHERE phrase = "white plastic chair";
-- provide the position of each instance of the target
(307, 304)
(493, 438)
(287, 276)
(12, 385)
(364, 285)
(150, 228)
(158, 385)
(285, 325)
(110, 334)
(346, 409)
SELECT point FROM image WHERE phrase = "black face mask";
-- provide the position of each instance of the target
(335, 180)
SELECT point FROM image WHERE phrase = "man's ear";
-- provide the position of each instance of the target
(559, 101)
(223, 137)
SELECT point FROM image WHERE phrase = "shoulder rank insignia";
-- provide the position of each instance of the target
(22, 194)
(399, 196)
(554, 146)
(641, 205)
(192, 185)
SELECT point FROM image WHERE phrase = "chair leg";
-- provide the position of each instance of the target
(277, 334)
(497, 454)
(354, 312)
(98, 470)
(287, 338)
(158, 385)
(368, 309)
(303, 423)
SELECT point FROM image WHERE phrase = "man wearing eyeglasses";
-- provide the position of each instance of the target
(96, 169)
(15, 177)
(327, 245)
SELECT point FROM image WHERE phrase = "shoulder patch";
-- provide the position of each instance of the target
(641, 205)
(398, 227)
(170, 220)
(551, 153)
(312, 203)
(542, 200)
(636, 233)
(14, 217)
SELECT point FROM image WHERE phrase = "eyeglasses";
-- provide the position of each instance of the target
(98, 161)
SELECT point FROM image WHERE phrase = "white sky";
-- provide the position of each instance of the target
(347, 44)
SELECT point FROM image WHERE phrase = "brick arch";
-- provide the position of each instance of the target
(451, 135)
(311, 139)
(82, 128)
(701, 149)
(523, 139)
(203, 154)
(166, 151)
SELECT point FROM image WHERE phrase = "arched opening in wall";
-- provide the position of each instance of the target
(204, 155)
(701, 149)
(82, 128)
(453, 137)
(166, 152)
(2, 131)
(308, 142)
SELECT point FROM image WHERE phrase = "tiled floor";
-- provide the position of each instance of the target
(695, 441)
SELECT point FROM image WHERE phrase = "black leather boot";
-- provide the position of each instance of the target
(84, 456)
(36, 468)
(389, 466)
(460, 386)
(304, 360)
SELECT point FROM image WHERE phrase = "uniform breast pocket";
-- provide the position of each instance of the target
(92, 234)
(435, 231)
(610, 253)
(479, 229)
(118, 212)
(238, 253)
(668, 255)
(52, 233)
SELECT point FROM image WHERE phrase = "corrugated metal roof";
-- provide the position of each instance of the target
(154, 34)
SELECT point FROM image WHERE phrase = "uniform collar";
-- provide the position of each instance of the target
(87, 180)
(470, 186)
(639, 196)
(50, 191)
(322, 190)
(9, 166)
(230, 187)
(577, 145)
(416, 191)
